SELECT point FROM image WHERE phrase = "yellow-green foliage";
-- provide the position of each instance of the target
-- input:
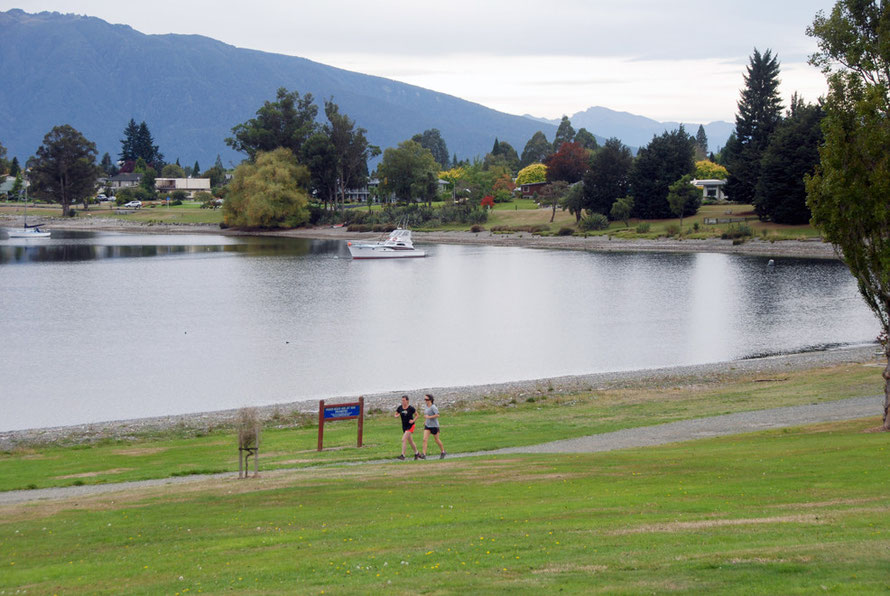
(269, 193)
(708, 170)
(536, 172)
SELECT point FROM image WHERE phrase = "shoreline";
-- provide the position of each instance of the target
(459, 396)
(810, 248)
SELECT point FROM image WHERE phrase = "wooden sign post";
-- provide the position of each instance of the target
(340, 412)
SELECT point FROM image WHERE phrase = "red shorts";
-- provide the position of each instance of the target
(410, 430)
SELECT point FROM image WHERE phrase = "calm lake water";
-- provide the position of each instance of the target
(101, 326)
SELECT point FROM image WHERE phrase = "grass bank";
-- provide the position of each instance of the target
(289, 439)
(793, 511)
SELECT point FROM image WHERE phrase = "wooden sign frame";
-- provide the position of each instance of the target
(349, 411)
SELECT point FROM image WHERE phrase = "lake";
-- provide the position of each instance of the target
(105, 326)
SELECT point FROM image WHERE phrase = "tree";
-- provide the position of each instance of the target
(107, 165)
(139, 144)
(536, 150)
(586, 139)
(621, 209)
(607, 178)
(14, 167)
(849, 194)
(196, 169)
(432, 140)
(320, 156)
(760, 111)
(568, 164)
(573, 201)
(268, 193)
(406, 170)
(659, 164)
(286, 122)
(502, 155)
(171, 170)
(683, 198)
(564, 133)
(701, 143)
(351, 149)
(792, 153)
(551, 195)
(64, 170)
(536, 172)
(4, 167)
(708, 170)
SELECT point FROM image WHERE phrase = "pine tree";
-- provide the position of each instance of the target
(701, 143)
(666, 159)
(196, 169)
(760, 111)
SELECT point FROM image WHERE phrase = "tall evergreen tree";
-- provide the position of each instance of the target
(138, 143)
(792, 153)
(536, 150)
(760, 111)
(107, 165)
(196, 169)
(586, 139)
(564, 133)
(14, 167)
(286, 122)
(432, 140)
(666, 159)
(701, 143)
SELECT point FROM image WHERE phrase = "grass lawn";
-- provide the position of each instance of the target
(781, 512)
(188, 212)
(289, 440)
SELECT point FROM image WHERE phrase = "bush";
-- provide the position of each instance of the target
(736, 231)
(672, 229)
(594, 222)
(476, 229)
(643, 227)
(565, 231)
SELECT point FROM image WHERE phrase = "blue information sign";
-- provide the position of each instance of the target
(331, 412)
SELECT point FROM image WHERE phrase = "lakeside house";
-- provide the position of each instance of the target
(530, 189)
(128, 180)
(712, 189)
(189, 185)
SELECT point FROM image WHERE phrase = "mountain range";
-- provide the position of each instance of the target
(191, 90)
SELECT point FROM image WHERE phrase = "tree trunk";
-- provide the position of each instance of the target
(553, 213)
(886, 375)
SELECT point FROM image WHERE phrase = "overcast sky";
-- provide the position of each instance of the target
(680, 60)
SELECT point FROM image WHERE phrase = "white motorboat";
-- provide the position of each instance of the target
(397, 245)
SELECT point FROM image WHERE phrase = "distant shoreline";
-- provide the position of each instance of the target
(498, 393)
(813, 248)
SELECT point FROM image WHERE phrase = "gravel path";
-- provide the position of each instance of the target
(672, 432)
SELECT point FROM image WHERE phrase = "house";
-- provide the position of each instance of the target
(7, 183)
(128, 180)
(712, 189)
(529, 189)
(189, 185)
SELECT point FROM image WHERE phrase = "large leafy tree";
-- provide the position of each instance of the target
(502, 155)
(666, 159)
(792, 153)
(760, 111)
(536, 172)
(320, 156)
(568, 164)
(536, 150)
(407, 171)
(286, 122)
(350, 147)
(849, 194)
(432, 140)
(64, 170)
(268, 193)
(607, 179)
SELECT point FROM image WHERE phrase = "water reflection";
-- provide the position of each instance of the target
(109, 326)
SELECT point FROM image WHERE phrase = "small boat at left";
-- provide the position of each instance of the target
(28, 232)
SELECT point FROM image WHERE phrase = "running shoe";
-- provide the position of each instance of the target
(401, 457)
(442, 455)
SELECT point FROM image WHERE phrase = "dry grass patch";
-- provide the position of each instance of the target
(94, 474)
(571, 568)
(704, 524)
(137, 451)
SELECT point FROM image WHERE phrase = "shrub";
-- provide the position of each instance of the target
(735, 231)
(672, 229)
(643, 227)
(565, 231)
(593, 222)
(476, 229)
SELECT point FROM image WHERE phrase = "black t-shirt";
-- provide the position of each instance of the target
(407, 416)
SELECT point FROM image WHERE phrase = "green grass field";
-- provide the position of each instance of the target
(793, 511)
(289, 441)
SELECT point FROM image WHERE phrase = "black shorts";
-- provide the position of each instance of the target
(434, 430)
